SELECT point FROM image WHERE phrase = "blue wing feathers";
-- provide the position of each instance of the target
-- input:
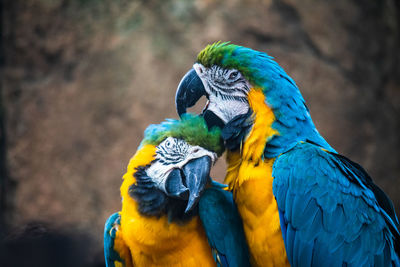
(305, 253)
(331, 212)
(385, 205)
(110, 231)
(290, 232)
(296, 248)
(223, 227)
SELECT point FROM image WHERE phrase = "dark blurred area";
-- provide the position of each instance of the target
(81, 80)
(36, 244)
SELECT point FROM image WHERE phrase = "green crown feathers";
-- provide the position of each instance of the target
(233, 56)
(191, 128)
(214, 53)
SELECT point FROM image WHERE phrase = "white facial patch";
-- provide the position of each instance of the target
(173, 153)
(227, 90)
(226, 109)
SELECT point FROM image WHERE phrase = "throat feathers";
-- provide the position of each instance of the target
(252, 189)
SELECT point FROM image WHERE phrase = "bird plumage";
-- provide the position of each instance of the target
(154, 229)
(331, 211)
(300, 202)
(223, 226)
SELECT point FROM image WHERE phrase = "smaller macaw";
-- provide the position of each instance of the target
(173, 214)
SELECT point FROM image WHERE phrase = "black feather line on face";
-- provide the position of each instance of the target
(225, 88)
(172, 156)
(224, 94)
(154, 202)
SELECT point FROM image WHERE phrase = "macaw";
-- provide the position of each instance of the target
(300, 201)
(172, 213)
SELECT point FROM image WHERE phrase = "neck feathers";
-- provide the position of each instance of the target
(275, 129)
(262, 131)
(252, 148)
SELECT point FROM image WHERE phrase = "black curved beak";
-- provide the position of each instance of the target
(197, 172)
(189, 91)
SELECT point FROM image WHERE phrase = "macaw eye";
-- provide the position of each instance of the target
(233, 75)
(168, 144)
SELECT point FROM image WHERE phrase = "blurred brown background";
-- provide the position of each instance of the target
(81, 79)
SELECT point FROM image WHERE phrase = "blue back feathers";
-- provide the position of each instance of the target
(331, 213)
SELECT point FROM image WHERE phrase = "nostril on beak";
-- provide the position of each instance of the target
(196, 150)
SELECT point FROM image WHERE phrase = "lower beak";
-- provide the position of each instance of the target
(212, 120)
(174, 186)
(197, 173)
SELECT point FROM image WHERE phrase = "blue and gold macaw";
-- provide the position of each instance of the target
(301, 202)
(172, 213)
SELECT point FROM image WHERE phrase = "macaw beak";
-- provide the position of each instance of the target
(189, 91)
(189, 182)
(197, 173)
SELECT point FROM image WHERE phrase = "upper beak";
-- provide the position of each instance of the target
(197, 172)
(189, 182)
(189, 91)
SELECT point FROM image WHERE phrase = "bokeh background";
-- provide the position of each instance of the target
(81, 79)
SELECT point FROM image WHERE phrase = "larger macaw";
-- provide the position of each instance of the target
(171, 215)
(300, 201)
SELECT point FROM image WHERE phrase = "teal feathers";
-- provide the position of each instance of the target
(223, 226)
(331, 212)
(110, 231)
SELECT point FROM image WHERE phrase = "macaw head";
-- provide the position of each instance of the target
(183, 152)
(241, 83)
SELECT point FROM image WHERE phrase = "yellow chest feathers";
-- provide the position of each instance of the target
(259, 211)
(249, 176)
(154, 241)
